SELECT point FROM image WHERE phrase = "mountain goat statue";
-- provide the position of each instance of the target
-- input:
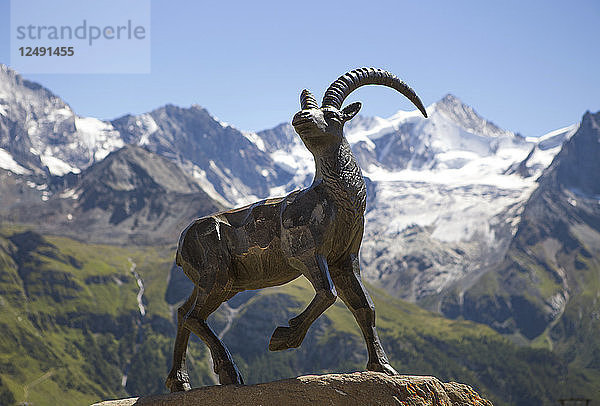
(315, 232)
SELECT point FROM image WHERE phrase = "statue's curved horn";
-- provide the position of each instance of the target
(349, 82)
(308, 101)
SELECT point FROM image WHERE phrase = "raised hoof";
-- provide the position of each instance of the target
(384, 367)
(284, 338)
(229, 374)
(177, 385)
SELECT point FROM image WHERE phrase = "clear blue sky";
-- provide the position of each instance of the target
(529, 66)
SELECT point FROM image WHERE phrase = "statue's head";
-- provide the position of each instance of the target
(318, 126)
(322, 126)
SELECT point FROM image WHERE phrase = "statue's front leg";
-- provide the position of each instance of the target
(354, 294)
(317, 273)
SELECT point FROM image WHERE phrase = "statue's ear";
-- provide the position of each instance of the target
(351, 110)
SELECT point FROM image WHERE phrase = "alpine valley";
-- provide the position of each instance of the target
(481, 250)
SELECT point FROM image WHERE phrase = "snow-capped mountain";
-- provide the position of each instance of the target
(446, 203)
(547, 281)
(445, 193)
(229, 166)
(40, 134)
(131, 196)
(463, 218)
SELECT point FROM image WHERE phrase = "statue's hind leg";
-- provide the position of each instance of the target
(204, 255)
(353, 293)
(178, 379)
(222, 360)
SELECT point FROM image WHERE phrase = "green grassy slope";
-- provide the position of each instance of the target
(545, 293)
(417, 342)
(70, 320)
(71, 326)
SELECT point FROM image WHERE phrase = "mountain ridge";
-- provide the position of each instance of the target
(476, 176)
(133, 195)
(463, 218)
(459, 159)
(557, 245)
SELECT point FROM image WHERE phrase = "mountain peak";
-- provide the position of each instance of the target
(577, 165)
(453, 105)
(591, 120)
(463, 114)
(11, 79)
(171, 108)
(451, 99)
(6, 72)
(132, 166)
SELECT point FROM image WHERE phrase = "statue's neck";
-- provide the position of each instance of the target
(338, 170)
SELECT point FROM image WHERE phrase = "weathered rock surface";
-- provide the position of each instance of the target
(359, 388)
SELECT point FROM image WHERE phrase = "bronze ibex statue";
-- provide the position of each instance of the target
(315, 232)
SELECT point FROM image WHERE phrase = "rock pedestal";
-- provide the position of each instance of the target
(359, 388)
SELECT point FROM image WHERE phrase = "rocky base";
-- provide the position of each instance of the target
(359, 388)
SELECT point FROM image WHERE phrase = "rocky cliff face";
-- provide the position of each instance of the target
(552, 263)
(220, 156)
(132, 196)
(42, 135)
(360, 388)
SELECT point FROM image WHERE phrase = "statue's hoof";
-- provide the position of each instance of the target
(284, 338)
(384, 367)
(177, 385)
(279, 339)
(230, 375)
